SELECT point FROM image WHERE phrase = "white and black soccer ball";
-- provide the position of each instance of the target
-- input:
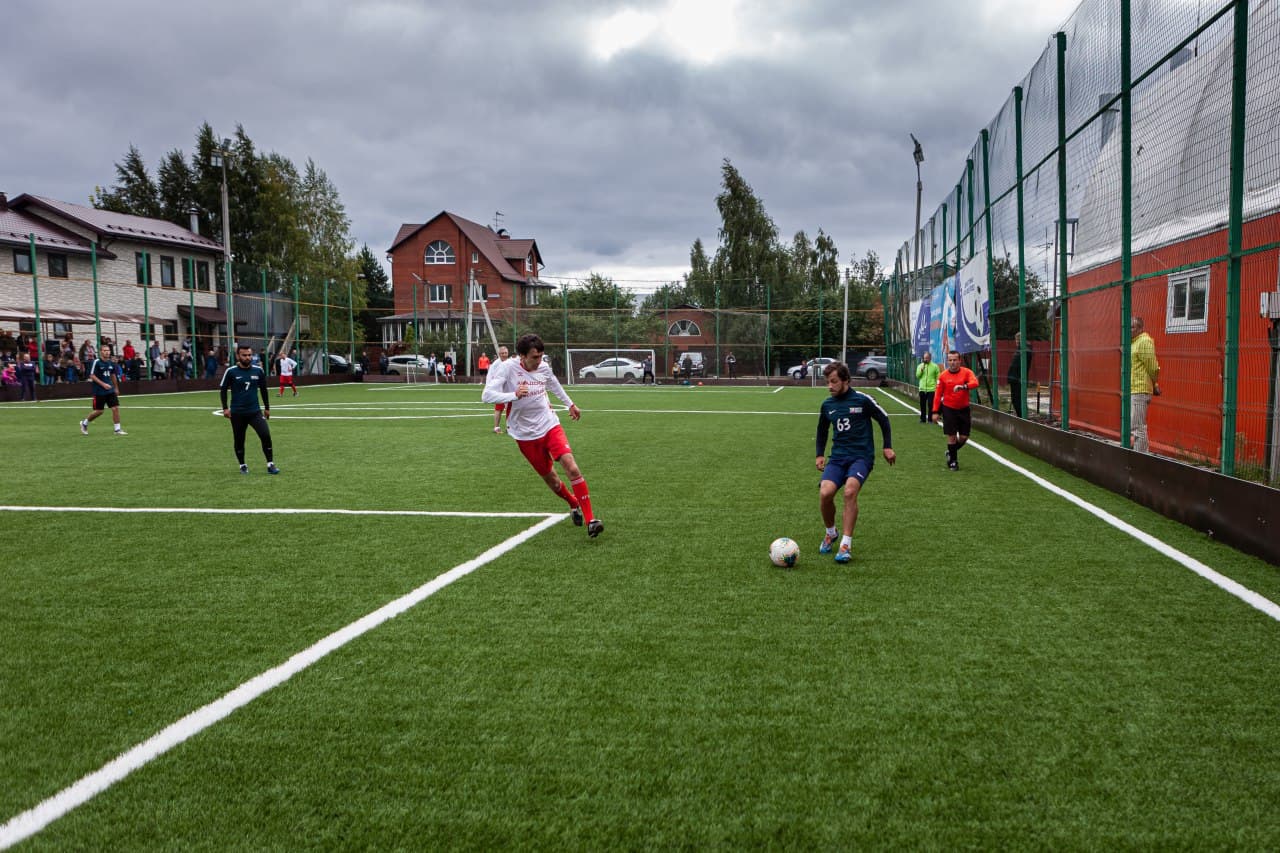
(784, 553)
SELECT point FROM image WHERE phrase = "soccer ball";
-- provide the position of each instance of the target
(784, 552)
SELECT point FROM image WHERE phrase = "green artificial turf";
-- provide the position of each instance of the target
(995, 668)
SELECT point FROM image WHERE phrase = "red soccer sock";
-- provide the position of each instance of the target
(584, 499)
(563, 491)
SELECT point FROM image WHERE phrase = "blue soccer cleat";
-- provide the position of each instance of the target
(272, 469)
(827, 542)
(844, 555)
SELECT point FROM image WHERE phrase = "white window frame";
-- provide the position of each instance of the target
(684, 329)
(438, 252)
(530, 296)
(1177, 318)
(475, 257)
(438, 293)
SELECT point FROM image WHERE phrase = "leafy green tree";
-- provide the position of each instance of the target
(748, 260)
(176, 188)
(378, 297)
(1004, 302)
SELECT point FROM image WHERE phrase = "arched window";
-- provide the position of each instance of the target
(438, 252)
(684, 329)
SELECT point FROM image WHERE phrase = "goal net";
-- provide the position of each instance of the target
(608, 365)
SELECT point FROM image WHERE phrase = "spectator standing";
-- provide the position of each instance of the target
(1144, 383)
(731, 365)
(482, 366)
(383, 363)
(927, 380)
(27, 376)
(1015, 375)
(106, 392)
(448, 367)
(50, 369)
(130, 356)
(647, 367)
(210, 364)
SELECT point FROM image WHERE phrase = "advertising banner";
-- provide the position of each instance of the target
(973, 306)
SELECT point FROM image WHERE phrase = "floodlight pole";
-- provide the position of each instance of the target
(918, 154)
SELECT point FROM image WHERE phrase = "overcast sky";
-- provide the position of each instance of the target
(597, 128)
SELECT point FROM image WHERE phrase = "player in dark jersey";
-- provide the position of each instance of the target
(848, 413)
(246, 383)
(106, 391)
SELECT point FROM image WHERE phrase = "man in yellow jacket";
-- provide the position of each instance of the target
(927, 377)
(1144, 375)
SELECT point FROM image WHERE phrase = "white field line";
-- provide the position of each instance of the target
(275, 511)
(1248, 596)
(28, 823)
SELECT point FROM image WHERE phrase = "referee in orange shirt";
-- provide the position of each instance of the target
(952, 401)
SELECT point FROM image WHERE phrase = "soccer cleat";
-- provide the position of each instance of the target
(244, 469)
(121, 432)
(594, 527)
(84, 427)
(825, 547)
(272, 469)
(844, 555)
(954, 466)
(577, 516)
(497, 430)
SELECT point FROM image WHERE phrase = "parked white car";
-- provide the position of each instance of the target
(410, 365)
(814, 367)
(613, 368)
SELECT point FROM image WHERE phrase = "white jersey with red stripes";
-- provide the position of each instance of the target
(531, 416)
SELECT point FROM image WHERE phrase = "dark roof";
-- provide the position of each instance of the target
(106, 223)
(493, 247)
(16, 225)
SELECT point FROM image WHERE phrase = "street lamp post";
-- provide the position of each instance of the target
(220, 162)
(918, 154)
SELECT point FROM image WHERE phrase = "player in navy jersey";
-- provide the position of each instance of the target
(106, 391)
(525, 382)
(849, 414)
(246, 382)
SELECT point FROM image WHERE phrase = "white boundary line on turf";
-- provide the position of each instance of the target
(31, 821)
(275, 511)
(1248, 596)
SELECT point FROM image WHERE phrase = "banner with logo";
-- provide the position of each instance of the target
(973, 306)
(920, 327)
(942, 319)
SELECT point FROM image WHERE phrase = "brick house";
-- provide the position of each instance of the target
(435, 260)
(175, 267)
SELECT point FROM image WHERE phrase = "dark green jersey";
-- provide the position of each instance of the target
(246, 384)
(106, 371)
(850, 416)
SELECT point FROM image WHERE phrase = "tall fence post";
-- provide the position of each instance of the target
(1022, 253)
(1126, 223)
(986, 213)
(35, 298)
(1064, 372)
(146, 310)
(1235, 235)
(190, 265)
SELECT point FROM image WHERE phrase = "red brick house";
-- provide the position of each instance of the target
(435, 260)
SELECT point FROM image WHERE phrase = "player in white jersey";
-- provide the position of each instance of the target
(286, 366)
(504, 356)
(524, 382)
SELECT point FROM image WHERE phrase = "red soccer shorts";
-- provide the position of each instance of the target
(542, 452)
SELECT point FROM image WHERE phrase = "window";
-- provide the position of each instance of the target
(57, 265)
(440, 293)
(475, 257)
(531, 296)
(1188, 309)
(166, 271)
(202, 275)
(140, 261)
(438, 252)
(21, 260)
(186, 274)
(684, 329)
(528, 264)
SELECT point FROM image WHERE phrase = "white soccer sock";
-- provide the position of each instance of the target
(846, 541)
(831, 531)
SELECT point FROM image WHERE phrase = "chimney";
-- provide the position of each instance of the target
(4, 202)
(195, 220)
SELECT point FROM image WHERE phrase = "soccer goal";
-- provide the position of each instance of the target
(610, 365)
